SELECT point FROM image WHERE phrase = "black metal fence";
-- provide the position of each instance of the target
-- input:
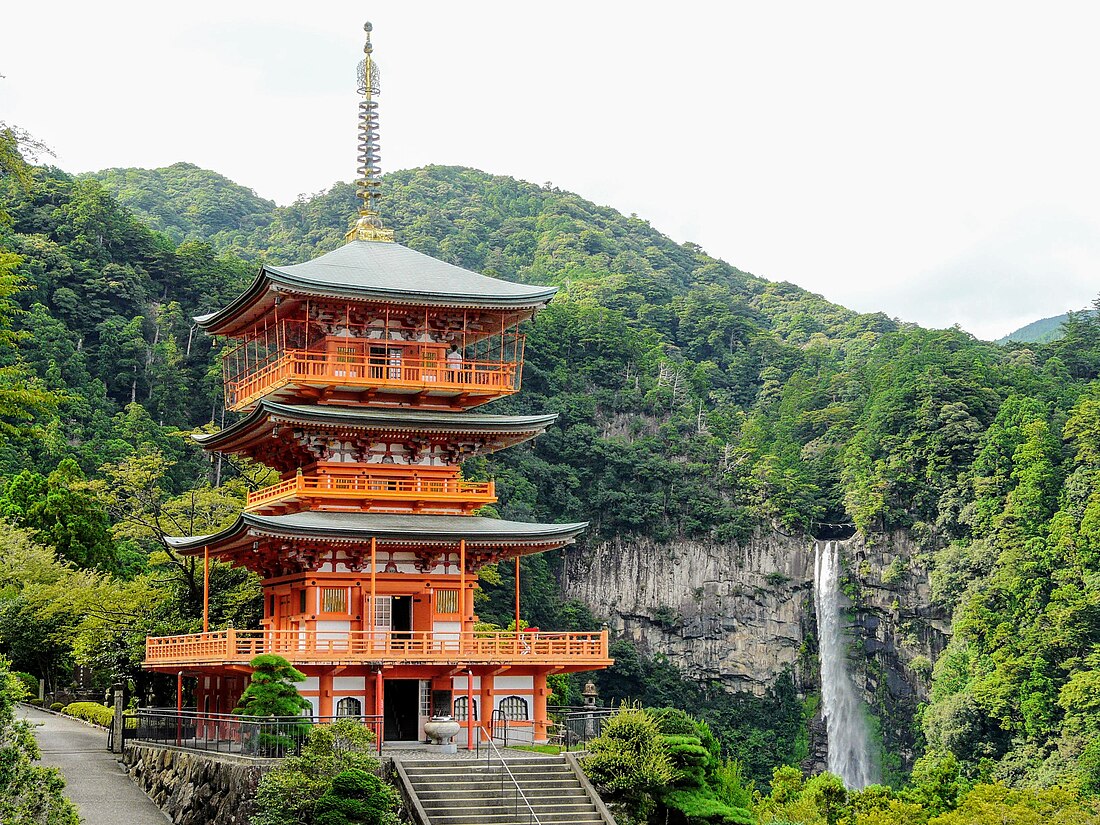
(575, 726)
(254, 736)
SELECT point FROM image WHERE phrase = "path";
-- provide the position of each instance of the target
(94, 780)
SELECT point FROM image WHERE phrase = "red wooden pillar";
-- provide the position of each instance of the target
(469, 710)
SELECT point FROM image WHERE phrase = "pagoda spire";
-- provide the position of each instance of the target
(369, 225)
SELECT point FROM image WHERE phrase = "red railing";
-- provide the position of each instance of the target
(330, 369)
(369, 486)
(240, 646)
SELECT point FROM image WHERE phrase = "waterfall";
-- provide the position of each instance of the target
(845, 720)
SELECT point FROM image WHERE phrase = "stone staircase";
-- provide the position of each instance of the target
(473, 792)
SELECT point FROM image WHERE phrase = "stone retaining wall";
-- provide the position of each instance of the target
(196, 788)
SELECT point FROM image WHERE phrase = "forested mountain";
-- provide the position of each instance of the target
(695, 400)
(1042, 331)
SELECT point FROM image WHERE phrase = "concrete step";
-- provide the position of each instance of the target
(490, 782)
(510, 816)
(491, 804)
(541, 794)
(459, 792)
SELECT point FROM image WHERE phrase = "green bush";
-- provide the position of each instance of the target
(56, 706)
(731, 785)
(701, 808)
(628, 757)
(289, 794)
(355, 797)
(673, 721)
(90, 712)
(27, 680)
(36, 702)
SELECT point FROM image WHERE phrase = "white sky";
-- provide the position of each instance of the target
(936, 161)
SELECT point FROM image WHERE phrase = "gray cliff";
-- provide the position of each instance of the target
(741, 614)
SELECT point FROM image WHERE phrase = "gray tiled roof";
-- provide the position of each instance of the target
(390, 419)
(386, 526)
(370, 270)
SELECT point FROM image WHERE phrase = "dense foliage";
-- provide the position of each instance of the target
(694, 400)
(332, 782)
(29, 794)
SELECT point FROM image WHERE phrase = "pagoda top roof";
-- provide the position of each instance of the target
(391, 528)
(378, 271)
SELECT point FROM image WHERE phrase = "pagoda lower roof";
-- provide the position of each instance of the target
(359, 528)
(381, 272)
(515, 428)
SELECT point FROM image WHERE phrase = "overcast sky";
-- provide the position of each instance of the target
(935, 161)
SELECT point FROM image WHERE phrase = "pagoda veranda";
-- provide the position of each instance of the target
(356, 376)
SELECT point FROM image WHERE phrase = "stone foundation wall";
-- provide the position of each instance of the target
(196, 788)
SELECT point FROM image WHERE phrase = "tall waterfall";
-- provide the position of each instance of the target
(850, 755)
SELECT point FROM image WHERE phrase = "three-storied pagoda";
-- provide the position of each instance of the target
(354, 373)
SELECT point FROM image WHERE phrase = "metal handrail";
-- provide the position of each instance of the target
(504, 769)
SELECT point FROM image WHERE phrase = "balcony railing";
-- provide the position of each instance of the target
(369, 487)
(383, 372)
(350, 647)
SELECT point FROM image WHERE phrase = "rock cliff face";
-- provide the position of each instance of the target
(742, 614)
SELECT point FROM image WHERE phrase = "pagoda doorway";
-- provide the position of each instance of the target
(401, 709)
(401, 618)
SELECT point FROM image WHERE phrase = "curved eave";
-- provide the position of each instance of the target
(266, 413)
(361, 270)
(411, 529)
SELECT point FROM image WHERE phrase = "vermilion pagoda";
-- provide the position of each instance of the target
(355, 372)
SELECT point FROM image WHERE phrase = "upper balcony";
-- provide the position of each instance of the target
(382, 357)
(386, 488)
(568, 651)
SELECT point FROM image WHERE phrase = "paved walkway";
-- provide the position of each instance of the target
(94, 780)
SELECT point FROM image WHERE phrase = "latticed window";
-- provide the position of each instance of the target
(349, 706)
(446, 601)
(383, 612)
(514, 709)
(334, 599)
(425, 697)
(461, 707)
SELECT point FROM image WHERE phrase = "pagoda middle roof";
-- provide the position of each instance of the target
(363, 418)
(336, 526)
(381, 271)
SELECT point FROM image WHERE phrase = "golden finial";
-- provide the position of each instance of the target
(369, 225)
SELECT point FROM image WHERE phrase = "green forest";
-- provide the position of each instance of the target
(694, 400)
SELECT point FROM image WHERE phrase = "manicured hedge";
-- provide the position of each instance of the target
(90, 712)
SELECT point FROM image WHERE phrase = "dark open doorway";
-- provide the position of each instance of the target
(402, 617)
(401, 705)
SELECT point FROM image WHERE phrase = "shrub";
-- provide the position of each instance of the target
(56, 706)
(355, 797)
(27, 680)
(700, 808)
(271, 692)
(730, 785)
(673, 721)
(36, 702)
(90, 712)
(629, 757)
(28, 792)
(288, 794)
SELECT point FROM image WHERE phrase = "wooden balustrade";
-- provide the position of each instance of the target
(474, 377)
(305, 646)
(371, 486)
